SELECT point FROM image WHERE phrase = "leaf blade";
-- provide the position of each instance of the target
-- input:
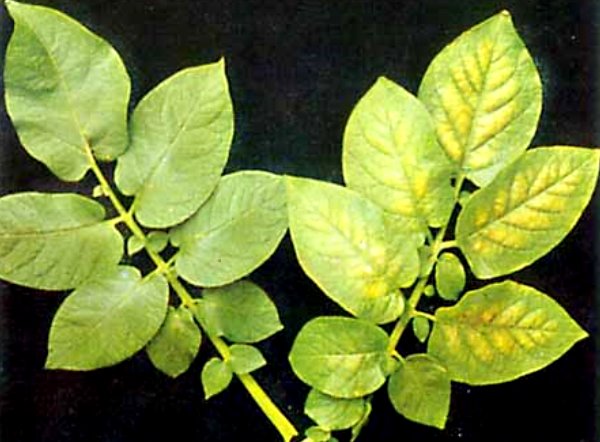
(173, 349)
(234, 232)
(332, 413)
(527, 210)
(450, 276)
(342, 242)
(55, 241)
(391, 156)
(216, 377)
(181, 133)
(501, 332)
(420, 391)
(67, 91)
(107, 320)
(342, 357)
(485, 95)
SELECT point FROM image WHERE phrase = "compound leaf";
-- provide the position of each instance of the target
(391, 155)
(66, 91)
(245, 358)
(332, 413)
(449, 276)
(420, 390)
(242, 312)
(345, 245)
(485, 96)
(342, 357)
(176, 344)
(181, 132)
(234, 232)
(55, 241)
(107, 319)
(216, 377)
(527, 210)
(501, 332)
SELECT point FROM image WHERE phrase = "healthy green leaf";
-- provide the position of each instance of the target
(155, 241)
(429, 291)
(234, 232)
(342, 357)
(501, 332)
(421, 327)
(176, 344)
(66, 91)
(391, 155)
(527, 210)
(242, 312)
(420, 391)
(245, 358)
(332, 413)
(345, 245)
(216, 377)
(107, 319)
(356, 429)
(181, 133)
(449, 276)
(485, 96)
(55, 241)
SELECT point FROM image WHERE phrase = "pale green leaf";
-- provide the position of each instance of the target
(485, 96)
(356, 429)
(501, 332)
(134, 245)
(429, 291)
(391, 155)
(316, 434)
(345, 245)
(449, 276)
(66, 91)
(420, 391)
(242, 312)
(216, 377)
(176, 344)
(98, 192)
(527, 210)
(421, 327)
(181, 133)
(55, 241)
(245, 358)
(332, 413)
(155, 241)
(234, 232)
(107, 320)
(342, 357)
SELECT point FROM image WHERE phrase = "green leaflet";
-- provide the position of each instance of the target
(234, 232)
(501, 332)
(316, 434)
(391, 155)
(245, 358)
(485, 96)
(176, 344)
(342, 357)
(242, 312)
(181, 133)
(345, 245)
(107, 320)
(449, 276)
(216, 377)
(332, 413)
(420, 391)
(421, 328)
(527, 210)
(155, 241)
(66, 91)
(55, 241)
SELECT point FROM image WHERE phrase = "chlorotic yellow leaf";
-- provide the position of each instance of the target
(527, 210)
(484, 94)
(501, 332)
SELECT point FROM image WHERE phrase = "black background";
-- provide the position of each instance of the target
(296, 68)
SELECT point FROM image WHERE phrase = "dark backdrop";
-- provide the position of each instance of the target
(296, 68)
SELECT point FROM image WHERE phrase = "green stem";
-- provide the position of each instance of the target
(438, 245)
(284, 426)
